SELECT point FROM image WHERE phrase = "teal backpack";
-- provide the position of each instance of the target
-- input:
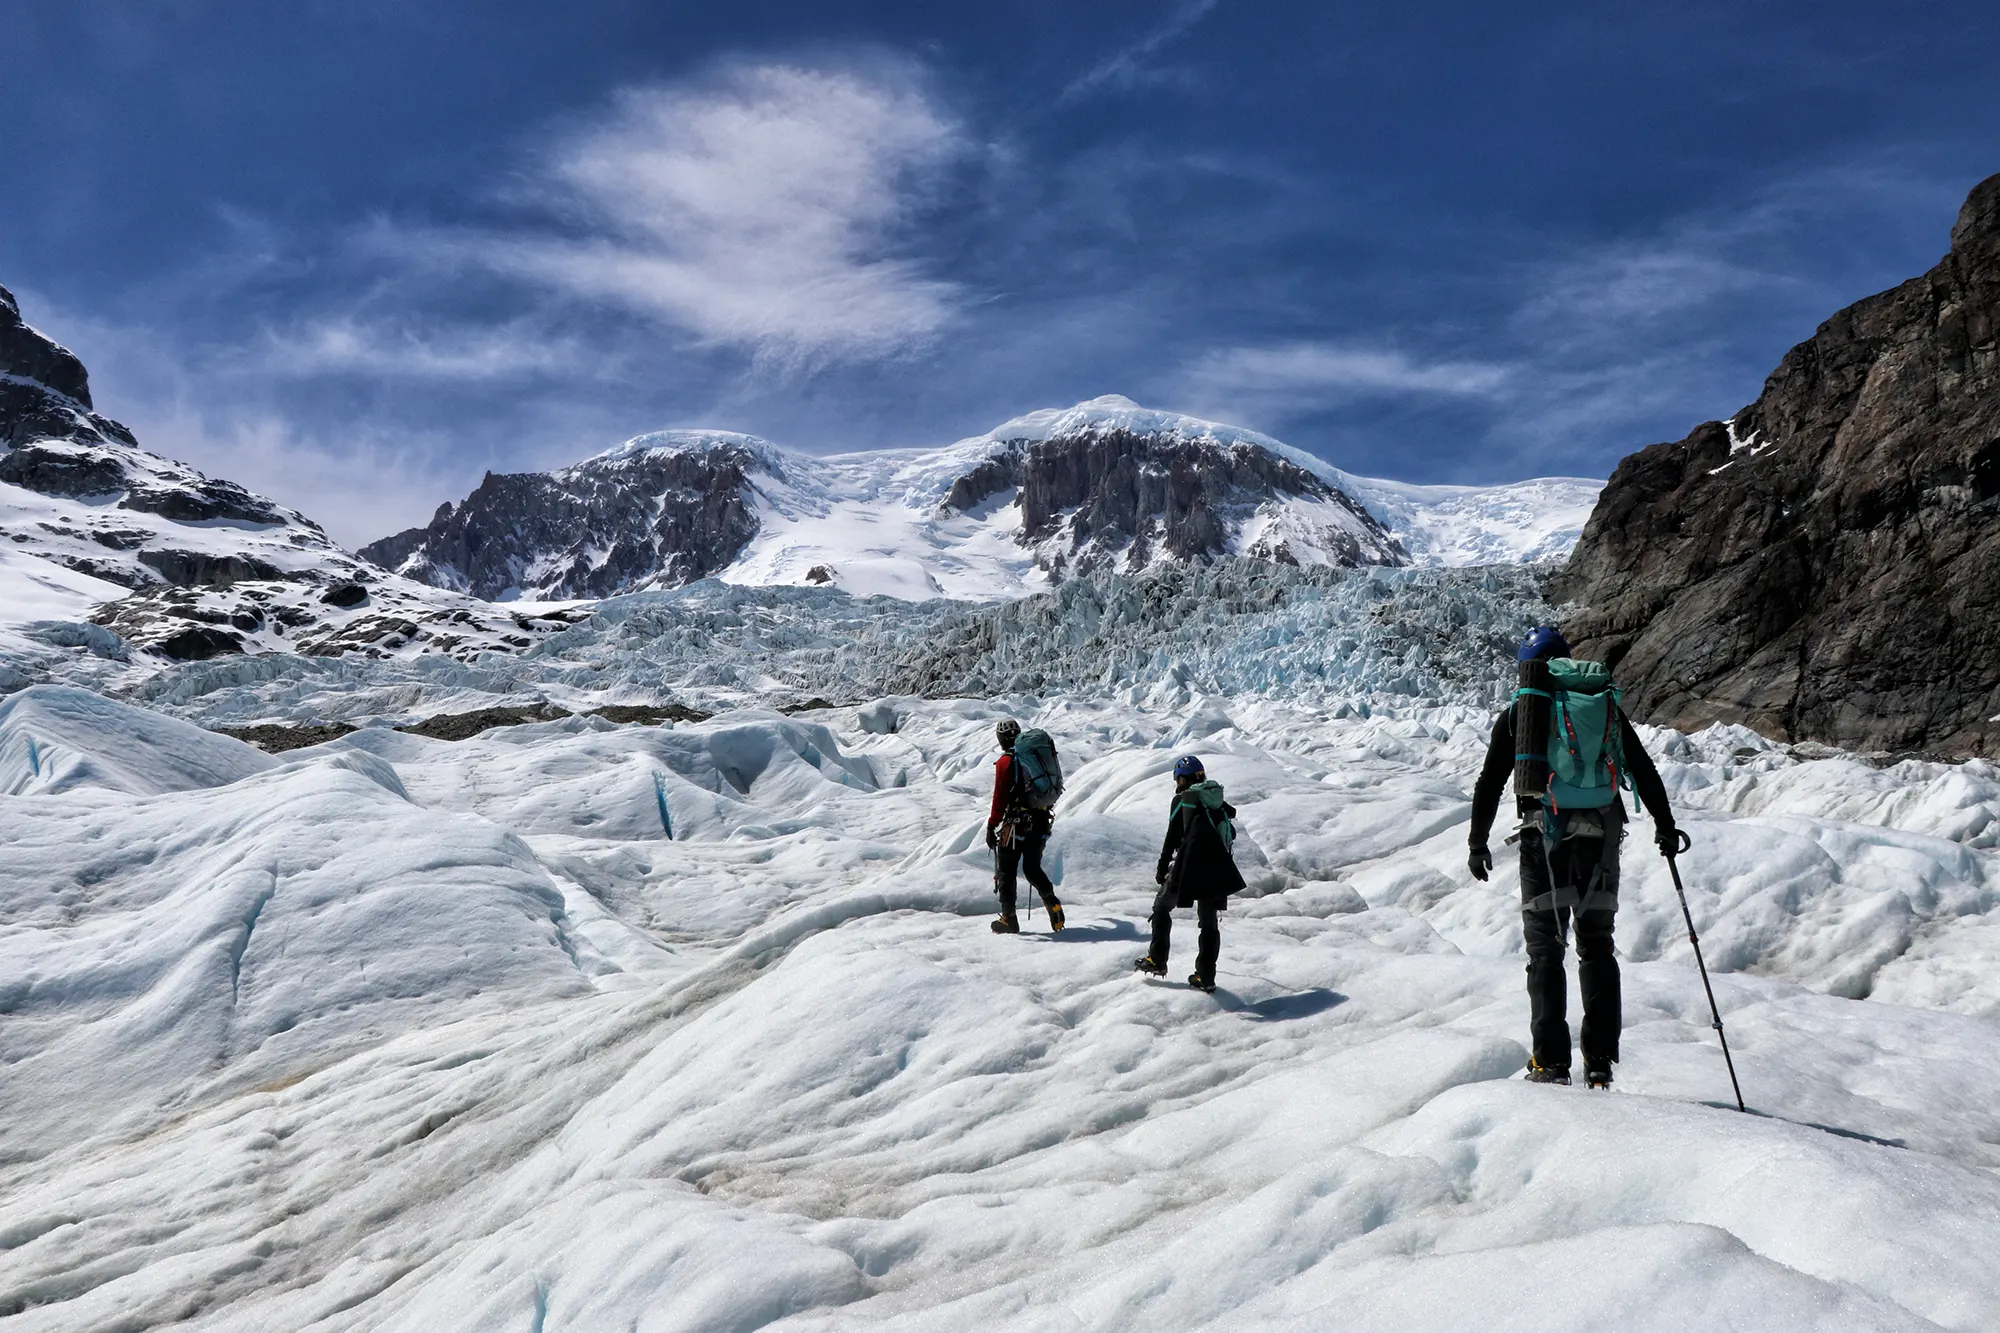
(1037, 769)
(1586, 752)
(1206, 797)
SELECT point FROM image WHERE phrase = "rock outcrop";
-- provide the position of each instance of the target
(659, 514)
(1826, 565)
(44, 389)
(1102, 496)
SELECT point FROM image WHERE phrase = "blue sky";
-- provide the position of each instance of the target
(353, 254)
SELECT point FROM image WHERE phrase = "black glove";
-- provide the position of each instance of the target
(1479, 862)
(1160, 877)
(992, 836)
(1670, 840)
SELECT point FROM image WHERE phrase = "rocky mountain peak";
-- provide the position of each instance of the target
(660, 510)
(1108, 482)
(179, 564)
(1103, 484)
(27, 354)
(1822, 565)
(1975, 237)
(44, 389)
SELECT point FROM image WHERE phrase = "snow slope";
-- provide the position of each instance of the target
(129, 517)
(876, 524)
(404, 1034)
(33, 588)
(1516, 523)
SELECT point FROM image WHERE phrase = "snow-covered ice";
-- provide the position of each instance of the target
(33, 589)
(397, 1033)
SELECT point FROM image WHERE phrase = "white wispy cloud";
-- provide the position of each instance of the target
(763, 209)
(359, 483)
(1285, 378)
(349, 344)
(1657, 331)
(1344, 369)
(1131, 66)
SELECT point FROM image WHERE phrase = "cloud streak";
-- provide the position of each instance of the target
(762, 211)
(1128, 67)
(349, 345)
(1284, 379)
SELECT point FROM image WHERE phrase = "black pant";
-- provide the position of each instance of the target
(1573, 876)
(1023, 854)
(1208, 943)
(1548, 988)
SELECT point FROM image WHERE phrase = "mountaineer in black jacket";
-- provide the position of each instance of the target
(1196, 870)
(1569, 848)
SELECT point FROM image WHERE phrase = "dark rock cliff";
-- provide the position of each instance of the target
(44, 390)
(1826, 565)
(605, 526)
(1102, 491)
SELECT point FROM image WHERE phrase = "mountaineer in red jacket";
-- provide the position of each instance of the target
(1017, 832)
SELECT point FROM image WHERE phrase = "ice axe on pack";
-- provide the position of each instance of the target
(1680, 844)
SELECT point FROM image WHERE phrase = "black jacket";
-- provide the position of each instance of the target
(1195, 865)
(1499, 767)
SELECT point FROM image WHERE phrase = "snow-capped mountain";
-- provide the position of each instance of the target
(178, 563)
(1104, 484)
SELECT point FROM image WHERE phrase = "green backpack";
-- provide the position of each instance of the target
(1585, 748)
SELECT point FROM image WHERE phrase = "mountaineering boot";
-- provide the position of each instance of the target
(1541, 1073)
(1202, 983)
(1055, 914)
(1149, 967)
(1006, 924)
(1597, 1075)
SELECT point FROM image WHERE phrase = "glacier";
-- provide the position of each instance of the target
(698, 1026)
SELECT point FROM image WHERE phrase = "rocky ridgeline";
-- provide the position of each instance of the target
(1088, 491)
(205, 567)
(646, 518)
(58, 446)
(1826, 565)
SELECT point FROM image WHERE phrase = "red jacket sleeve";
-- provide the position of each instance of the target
(1003, 784)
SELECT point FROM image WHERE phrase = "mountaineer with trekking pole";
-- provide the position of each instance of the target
(1571, 751)
(1197, 869)
(1027, 781)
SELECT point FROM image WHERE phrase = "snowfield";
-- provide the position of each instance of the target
(398, 1033)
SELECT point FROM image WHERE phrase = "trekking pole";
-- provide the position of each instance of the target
(1694, 939)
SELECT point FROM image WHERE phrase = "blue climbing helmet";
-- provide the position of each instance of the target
(1543, 641)
(1187, 766)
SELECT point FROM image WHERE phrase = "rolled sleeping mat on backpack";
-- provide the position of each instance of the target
(1531, 734)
